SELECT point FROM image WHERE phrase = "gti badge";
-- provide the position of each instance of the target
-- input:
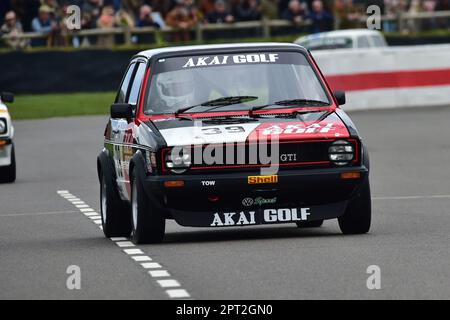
(288, 157)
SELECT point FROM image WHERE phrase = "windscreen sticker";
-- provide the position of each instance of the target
(204, 61)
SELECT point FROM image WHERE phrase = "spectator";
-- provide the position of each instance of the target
(124, 19)
(106, 21)
(207, 6)
(5, 7)
(429, 24)
(13, 28)
(347, 14)
(184, 17)
(321, 20)
(91, 12)
(248, 10)
(295, 12)
(269, 9)
(162, 7)
(43, 23)
(220, 14)
(145, 17)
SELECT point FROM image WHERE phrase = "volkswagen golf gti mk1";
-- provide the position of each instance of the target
(230, 135)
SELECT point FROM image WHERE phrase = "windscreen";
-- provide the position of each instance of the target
(328, 43)
(270, 77)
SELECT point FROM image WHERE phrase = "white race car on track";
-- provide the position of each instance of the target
(343, 39)
(7, 156)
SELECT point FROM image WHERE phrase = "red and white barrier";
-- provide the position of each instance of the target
(392, 77)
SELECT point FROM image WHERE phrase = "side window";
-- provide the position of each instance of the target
(378, 41)
(126, 81)
(363, 42)
(134, 92)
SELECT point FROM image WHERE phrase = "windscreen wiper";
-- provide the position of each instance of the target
(217, 103)
(292, 102)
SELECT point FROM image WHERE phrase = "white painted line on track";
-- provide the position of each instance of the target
(36, 213)
(159, 273)
(169, 283)
(141, 258)
(125, 244)
(433, 196)
(178, 293)
(134, 253)
(150, 265)
(118, 239)
(91, 214)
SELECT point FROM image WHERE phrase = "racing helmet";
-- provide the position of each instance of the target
(176, 89)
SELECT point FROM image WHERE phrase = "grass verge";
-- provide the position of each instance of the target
(60, 105)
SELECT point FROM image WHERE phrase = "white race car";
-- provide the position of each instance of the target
(7, 156)
(343, 39)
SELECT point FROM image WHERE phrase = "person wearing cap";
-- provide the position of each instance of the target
(43, 23)
(220, 14)
(13, 28)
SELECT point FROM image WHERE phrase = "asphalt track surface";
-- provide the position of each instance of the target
(41, 233)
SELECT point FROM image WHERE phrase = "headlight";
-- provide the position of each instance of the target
(3, 126)
(178, 160)
(341, 152)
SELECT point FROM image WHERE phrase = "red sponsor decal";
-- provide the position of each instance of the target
(300, 130)
(391, 79)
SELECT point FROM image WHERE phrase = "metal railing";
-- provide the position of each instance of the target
(265, 27)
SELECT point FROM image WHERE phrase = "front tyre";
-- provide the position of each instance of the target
(357, 216)
(148, 223)
(115, 213)
(8, 173)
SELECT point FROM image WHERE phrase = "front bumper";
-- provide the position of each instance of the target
(223, 199)
(5, 152)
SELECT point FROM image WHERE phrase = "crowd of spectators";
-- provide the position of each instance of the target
(47, 16)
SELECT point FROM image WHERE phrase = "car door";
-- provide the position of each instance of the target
(122, 129)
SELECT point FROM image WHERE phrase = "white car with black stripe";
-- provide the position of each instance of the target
(7, 155)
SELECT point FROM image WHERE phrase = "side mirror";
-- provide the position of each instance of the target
(121, 111)
(340, 97)
(7, 97)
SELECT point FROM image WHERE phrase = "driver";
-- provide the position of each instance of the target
(175, 90)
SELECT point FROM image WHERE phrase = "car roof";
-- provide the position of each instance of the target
(215, 47)
(341, 33)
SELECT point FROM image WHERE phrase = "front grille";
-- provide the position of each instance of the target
(247, 156)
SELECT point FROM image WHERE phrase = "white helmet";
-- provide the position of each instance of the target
(176, 88)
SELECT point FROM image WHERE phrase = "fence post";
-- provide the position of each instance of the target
(127, 35)
(199, 32)
(265, 27)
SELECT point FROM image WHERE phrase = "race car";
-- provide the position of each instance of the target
(230, 135)
(352, 39)
(7, 155)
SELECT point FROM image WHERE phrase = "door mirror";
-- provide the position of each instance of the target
(121, 111)
(340, 97)
(7, 97)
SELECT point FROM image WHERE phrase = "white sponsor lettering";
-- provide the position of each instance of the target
(236, 59)
(283, 215)
(208, 183)
(297, 128)
(229, 218)
(288, 157)
(270, 216)
(243, 218)
(216, 222)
